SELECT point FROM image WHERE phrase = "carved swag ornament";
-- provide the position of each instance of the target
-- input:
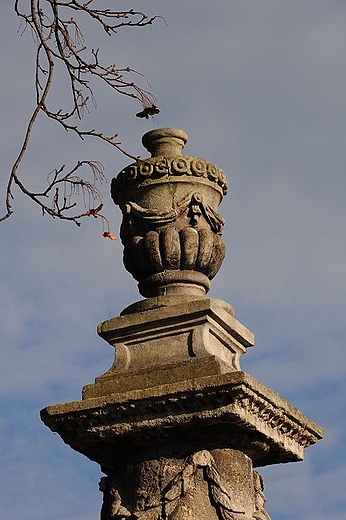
(175, 501)
(186, 237)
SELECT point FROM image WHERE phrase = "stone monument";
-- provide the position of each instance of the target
(175, 425)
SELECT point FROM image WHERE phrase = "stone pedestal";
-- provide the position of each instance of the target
(185, 450)
(174, 424)
(170, 342)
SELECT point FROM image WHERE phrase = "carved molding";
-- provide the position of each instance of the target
(274, 417)
(245, 402)
(161, 167)
(245, 416)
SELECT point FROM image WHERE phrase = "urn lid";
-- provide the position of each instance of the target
(165, 141)
(167, 164)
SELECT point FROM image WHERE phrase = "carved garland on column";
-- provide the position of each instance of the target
(176, 494)
(260, 499)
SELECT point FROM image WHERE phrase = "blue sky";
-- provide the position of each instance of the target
(259, 86)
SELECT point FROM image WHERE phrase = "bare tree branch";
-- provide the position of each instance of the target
(56, 28)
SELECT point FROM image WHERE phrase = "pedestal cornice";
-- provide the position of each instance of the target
(231, 410)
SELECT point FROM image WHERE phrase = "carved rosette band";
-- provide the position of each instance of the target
(171, 229)
(169, 167)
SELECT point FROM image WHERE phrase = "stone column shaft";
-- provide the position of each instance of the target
(207, 485)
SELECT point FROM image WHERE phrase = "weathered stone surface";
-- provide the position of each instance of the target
(206, 485)
(171, 343)
(171, 229)
(231, 410)
(168, 300)
(174, 423)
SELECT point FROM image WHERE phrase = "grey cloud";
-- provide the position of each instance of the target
(260, 88)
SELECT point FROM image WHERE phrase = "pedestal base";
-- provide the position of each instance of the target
(166, 340)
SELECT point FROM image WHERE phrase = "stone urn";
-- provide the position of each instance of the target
(171, 228)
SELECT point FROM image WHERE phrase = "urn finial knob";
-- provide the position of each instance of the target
(165, 141)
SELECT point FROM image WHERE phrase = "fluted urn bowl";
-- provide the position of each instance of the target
(171, 229)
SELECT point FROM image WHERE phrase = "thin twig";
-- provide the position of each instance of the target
(59, 38)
